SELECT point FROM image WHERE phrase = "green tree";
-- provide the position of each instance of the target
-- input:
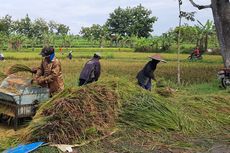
(40, 30)
(220, 11)
(166, 40)
(62, 29)
(16, 41)
(95, 33)
(188, 33)
(131, 21)
(24, 27)
(6, 25)
(205, 31)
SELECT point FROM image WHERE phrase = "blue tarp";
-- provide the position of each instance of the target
(24, 148)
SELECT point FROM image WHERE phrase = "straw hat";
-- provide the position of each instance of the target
(98, 55)
(157, 57)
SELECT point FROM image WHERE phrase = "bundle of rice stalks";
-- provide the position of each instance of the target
(19, 68)
(147, 112)
(165, 92)
(79, 115)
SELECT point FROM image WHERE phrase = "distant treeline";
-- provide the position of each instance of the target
(126, 28)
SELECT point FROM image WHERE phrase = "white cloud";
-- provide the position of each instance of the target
(76, 13)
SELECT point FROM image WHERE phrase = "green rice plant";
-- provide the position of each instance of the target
(147, 112)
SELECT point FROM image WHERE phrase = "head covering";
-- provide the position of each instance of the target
(157, 57)
(52, 56)
(97, 55)
(47, 51)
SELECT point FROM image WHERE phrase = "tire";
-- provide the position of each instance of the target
(223, 83)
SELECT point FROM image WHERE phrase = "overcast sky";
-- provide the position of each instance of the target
(77, 14)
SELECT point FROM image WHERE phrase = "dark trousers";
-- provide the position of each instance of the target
(147, 86)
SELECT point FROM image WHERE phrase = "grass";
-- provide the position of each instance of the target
(112, 54)
(194, 118)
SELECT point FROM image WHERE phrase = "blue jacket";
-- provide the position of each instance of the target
(91, 70)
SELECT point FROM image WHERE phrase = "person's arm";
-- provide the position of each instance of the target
(56, 68)
(97, 71)
(39, 71)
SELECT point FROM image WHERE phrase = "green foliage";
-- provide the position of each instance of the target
(131, 21)
(95, 33)
(6, 25)
(62, 29)
(143, 45)
(24, 27)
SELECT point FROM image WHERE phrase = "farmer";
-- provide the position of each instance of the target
(70, 56)
(60, 50)
(1, 57)
(196, 52)
(49, 73)
(91, 71)
(145, 76)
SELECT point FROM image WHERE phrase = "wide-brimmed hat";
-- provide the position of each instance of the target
(157, 57)
(98, 55)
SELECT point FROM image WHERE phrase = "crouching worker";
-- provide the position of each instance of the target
(2, 57)
(91, 71)
(49, 73)
(146, 75)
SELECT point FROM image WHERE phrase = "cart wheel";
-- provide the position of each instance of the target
(4, 118)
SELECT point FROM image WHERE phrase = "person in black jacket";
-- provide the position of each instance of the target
(145, 76)
(91, 71)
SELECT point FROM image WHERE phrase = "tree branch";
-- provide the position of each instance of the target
(200, 7)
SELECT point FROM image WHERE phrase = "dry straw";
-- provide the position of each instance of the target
(19, 68)
(79, 115)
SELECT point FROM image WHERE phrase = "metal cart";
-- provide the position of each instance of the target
(19, 99)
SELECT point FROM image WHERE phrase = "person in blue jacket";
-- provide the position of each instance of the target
(91, 71)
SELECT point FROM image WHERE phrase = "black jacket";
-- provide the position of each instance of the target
(147, 72)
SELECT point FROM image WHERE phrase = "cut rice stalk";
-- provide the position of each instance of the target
(19, 68)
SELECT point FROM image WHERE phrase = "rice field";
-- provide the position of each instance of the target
(125, 64)
(192, 117)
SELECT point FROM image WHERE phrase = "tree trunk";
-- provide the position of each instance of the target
(178, 48)
(206, 43)
(221, 14)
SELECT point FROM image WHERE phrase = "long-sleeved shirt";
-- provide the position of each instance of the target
(91, 70)
(49, 75)
(147, 72)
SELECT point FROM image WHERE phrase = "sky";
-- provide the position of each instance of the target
(84, 13)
